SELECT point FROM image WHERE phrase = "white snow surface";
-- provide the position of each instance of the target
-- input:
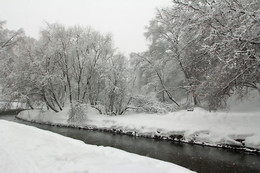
(25, 149)
(200, 126)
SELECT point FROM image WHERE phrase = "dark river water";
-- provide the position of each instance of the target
(194, 157)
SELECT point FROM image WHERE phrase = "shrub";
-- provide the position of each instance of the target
(77, 113)
(150, 104)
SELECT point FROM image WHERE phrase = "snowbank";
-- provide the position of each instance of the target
(200, 126)
(28, 149)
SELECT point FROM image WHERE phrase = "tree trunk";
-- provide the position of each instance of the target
(48, 103)
(70, 90)
(29, 104)
(56, 100)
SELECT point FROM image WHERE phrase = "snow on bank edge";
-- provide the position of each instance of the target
(29, 149)
(238, 130)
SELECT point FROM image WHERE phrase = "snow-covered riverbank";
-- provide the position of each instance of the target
(239, 130)
(28, 149)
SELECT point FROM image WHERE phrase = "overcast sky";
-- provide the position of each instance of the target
(124, 19)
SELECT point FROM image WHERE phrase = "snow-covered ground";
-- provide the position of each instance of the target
(31, 150)
(199, 126)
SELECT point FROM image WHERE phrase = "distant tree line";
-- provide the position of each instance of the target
(200, 50)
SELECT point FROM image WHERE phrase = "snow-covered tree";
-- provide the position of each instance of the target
(117, 91)
(68, 65)
(213, 44)
(232, 45)
(154, 75)
(176, 49)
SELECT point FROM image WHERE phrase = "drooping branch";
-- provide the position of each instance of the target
(160, 79)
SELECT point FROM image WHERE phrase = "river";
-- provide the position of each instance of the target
(194, 157)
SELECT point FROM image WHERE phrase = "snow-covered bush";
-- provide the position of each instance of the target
(150, 104)
(5, 106)
(77, 113)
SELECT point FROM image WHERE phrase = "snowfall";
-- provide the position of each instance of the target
(220, 129)
(31, 150)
